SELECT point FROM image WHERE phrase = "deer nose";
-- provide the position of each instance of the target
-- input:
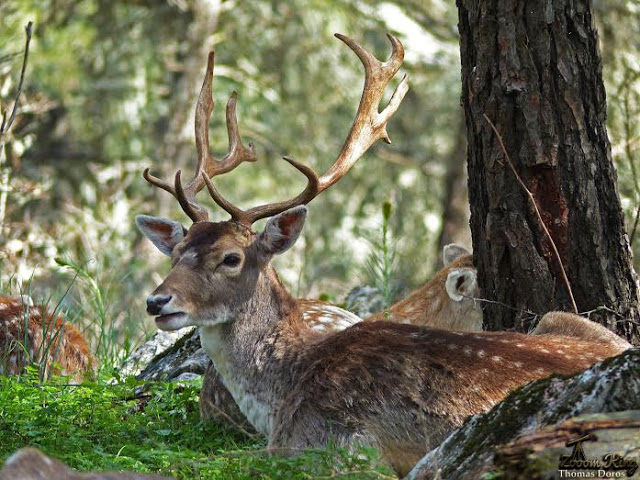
(156, 302)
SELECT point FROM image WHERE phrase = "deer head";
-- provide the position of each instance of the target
(217, 266)
(447, 301)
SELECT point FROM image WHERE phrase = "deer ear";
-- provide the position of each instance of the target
(461, 283)
(453, 251)
(163, 233)
(281, 232)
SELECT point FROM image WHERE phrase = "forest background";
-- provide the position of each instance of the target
(110, 90)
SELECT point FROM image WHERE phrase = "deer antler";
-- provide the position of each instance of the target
(368, 127)
(207, 165)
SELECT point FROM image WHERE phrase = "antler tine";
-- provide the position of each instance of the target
(368, 127)
(254, 214)
(206, 163)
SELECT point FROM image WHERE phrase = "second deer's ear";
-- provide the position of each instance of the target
(281, 232)
(163, 233)
(461, 283)
(453, 251)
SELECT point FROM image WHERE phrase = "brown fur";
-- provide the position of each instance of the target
(572, 325)
(59, 340)
(400, 388)
(351, 387)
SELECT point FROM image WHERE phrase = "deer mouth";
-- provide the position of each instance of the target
(171, 321)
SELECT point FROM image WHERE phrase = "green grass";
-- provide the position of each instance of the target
(97, 426)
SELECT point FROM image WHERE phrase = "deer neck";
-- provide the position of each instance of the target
(250, 350)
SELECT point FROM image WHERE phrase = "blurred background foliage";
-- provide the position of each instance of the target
(111, 88)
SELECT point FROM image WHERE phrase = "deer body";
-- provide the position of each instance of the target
(400, 388)
(30, 333)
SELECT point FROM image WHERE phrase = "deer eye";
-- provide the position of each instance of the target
(231, 260)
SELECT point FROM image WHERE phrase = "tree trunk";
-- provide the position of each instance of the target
(534, 69)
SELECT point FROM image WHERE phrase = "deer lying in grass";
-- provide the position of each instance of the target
(32, 335)
(400, 388)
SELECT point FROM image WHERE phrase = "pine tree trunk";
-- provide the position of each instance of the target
(534, 69)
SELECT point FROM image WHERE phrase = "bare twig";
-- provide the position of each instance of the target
(535, 207)
(4, 128)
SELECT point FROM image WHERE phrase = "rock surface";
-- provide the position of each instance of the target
(168, 356)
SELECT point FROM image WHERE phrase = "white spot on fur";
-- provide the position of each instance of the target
(544, 350)
(481, 353)
(467, 350)
(518, 364)
(318, 327)
(452, 346)
(496, 358)
(519, 345)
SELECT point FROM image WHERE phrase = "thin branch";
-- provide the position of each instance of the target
(535, 207)
(28, 30)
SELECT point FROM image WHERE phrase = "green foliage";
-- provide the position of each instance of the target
(109, 427)
(381, 266)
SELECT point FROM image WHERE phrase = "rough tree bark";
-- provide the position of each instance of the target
(534, 69)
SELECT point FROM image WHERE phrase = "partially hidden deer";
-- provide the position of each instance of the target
(32, 335)
(399, 388)
(447, 301)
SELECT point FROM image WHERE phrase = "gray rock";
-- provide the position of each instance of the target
(168, 356)
(365, 301)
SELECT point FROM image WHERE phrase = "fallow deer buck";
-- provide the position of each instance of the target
(400, 388)
(31, 334)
